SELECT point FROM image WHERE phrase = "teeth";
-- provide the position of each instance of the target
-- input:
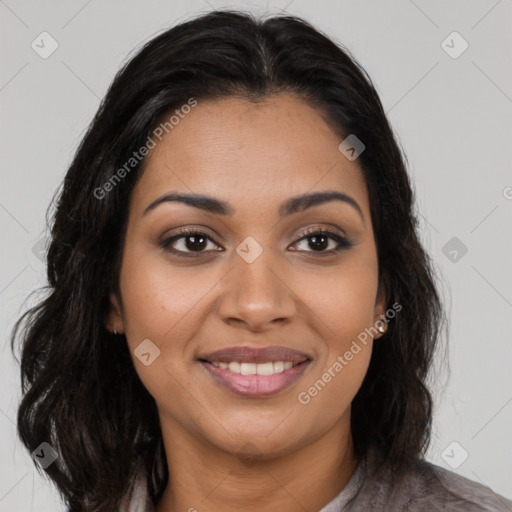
(234, 367)
(255, 368)
(277, 367)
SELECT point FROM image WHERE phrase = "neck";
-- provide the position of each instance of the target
(204, 478)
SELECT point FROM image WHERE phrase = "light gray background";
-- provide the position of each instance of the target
(452, 117)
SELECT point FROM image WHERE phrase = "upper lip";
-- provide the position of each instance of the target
(255, 355)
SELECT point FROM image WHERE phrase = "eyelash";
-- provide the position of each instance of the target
(342, 242)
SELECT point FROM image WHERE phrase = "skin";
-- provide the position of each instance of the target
(253, 156)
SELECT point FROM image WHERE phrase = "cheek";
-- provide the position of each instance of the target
(158, 306)
(163, 304)
(330, 390)
(343, 311)
(343, 302)
(330, 395)
(159, 299)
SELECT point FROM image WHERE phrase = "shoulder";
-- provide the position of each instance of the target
(423, 487)
(434, 485)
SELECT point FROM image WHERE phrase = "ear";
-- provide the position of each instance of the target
(114, 316)
(379, 314)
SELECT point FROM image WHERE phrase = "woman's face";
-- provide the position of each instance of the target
(250, 278)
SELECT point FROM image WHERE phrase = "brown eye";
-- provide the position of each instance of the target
(319, 239)
(188, 241)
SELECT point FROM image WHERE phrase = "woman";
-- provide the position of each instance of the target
(240, 313)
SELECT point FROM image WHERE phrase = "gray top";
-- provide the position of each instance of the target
(424, 487)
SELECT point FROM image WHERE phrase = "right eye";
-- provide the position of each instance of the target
(190, 241)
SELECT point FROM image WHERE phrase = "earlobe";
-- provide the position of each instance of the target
(114, 321)
(380, 319)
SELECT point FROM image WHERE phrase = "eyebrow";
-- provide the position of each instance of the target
(290, 206)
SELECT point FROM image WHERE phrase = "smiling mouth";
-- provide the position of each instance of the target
(268, 368)
(255, 379)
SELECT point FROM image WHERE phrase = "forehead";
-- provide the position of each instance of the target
(251, 154)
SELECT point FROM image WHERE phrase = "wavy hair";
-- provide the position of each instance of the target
(81, 393)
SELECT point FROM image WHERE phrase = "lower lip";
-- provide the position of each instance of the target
(256, 385)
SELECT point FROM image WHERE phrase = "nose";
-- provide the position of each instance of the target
(256, 296)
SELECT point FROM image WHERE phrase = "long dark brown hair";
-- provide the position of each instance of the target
(81, 393)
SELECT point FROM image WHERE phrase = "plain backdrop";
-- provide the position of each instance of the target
(450, 106)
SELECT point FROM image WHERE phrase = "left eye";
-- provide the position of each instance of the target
(192, 241)
(320, 238)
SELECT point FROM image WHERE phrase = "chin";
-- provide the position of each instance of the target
(265, 444)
